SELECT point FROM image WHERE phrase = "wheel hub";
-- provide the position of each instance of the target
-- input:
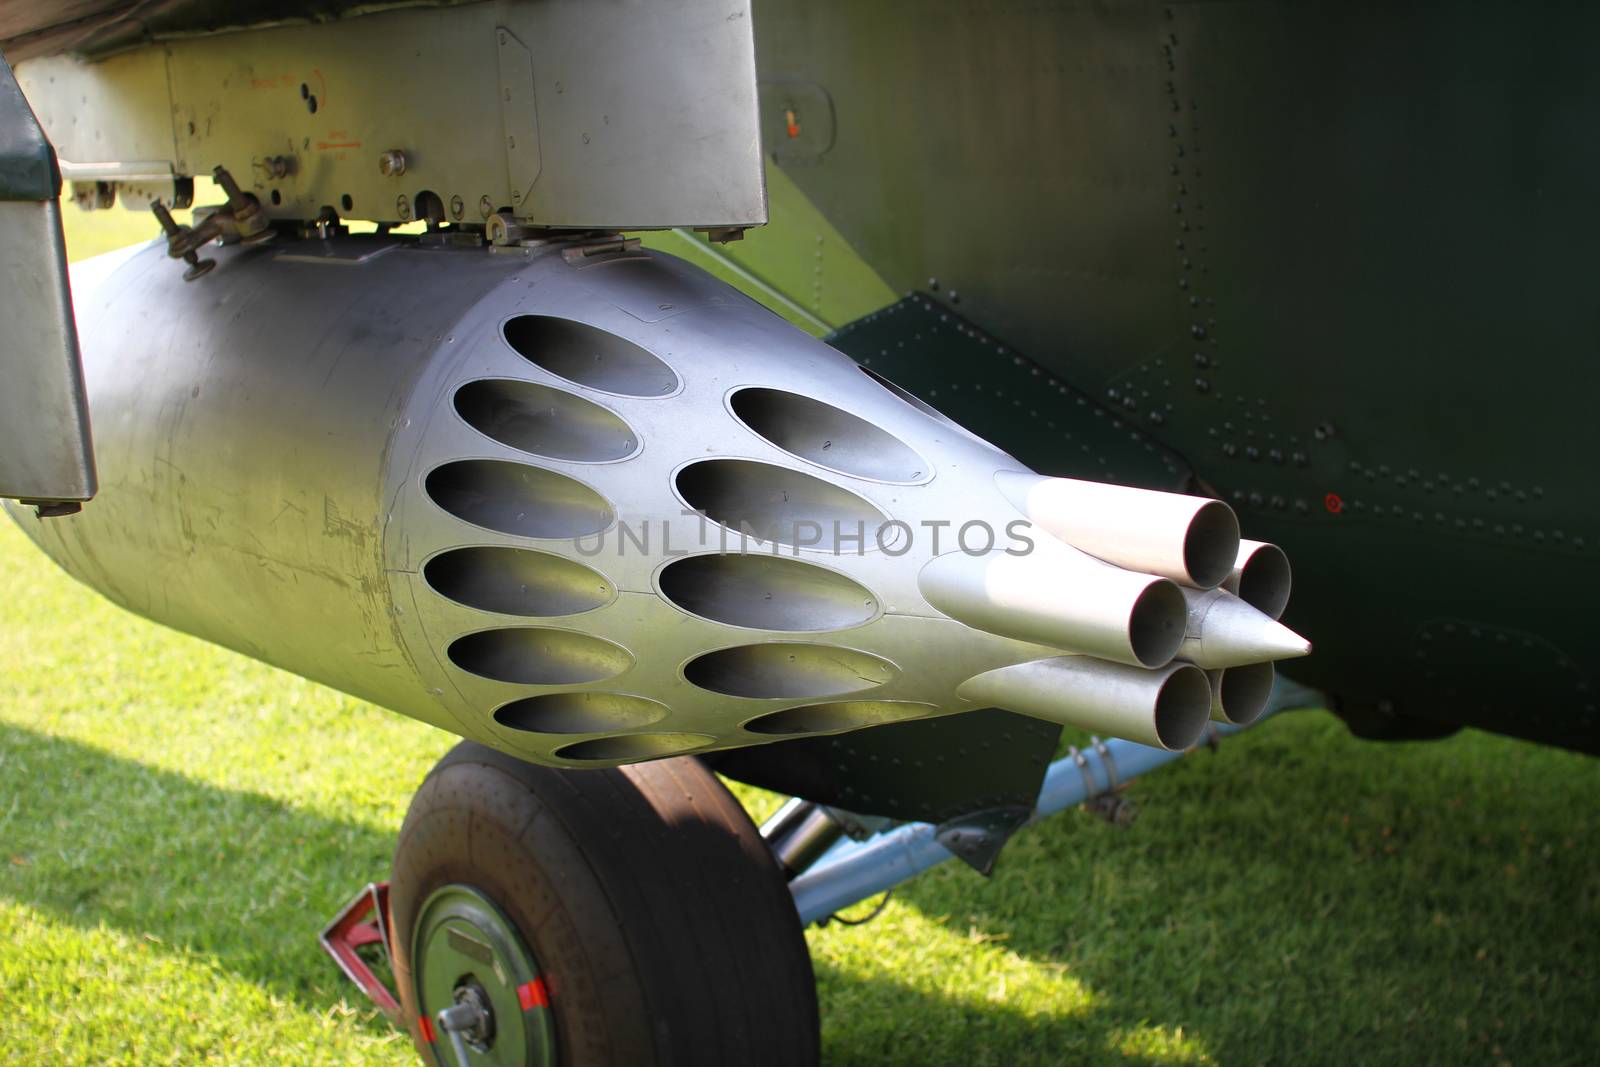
(473, 1001)
(475, 976)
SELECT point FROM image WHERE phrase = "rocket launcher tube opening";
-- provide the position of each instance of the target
(1166, 708)
(1192, 540)
(1177, 723)
(1062, 598)
(1150, 624)
(1239, 695)
(1261, 577)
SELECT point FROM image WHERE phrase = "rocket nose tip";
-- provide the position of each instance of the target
(1286, 644)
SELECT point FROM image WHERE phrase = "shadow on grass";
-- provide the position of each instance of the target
(92, 839)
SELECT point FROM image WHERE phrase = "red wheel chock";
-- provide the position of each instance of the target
(364, 922)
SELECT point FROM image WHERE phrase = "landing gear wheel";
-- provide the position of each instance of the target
(595, 918)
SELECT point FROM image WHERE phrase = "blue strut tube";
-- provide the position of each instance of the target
(854, 871)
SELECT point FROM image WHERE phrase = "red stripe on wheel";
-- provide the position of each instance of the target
(533, 995)
(426, 1028)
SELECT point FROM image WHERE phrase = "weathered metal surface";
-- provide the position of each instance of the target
(566, 113)
(45, 451)
(221, 517)
(45, 448)
(98, 27)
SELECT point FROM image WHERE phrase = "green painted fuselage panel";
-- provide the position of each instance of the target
(1331, 262)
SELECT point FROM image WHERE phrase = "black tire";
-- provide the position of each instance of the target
(664, 929)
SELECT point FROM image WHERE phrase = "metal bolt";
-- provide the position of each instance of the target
(402, 207)
(485, 206)
(197, 267)
(457, 208)
(236, 199)
(247, 217)
(392, 163)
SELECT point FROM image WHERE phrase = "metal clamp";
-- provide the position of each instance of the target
(1110, 803)
(1110, 762)
(1090, 789)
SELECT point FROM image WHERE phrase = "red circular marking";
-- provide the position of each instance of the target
(1334, 503)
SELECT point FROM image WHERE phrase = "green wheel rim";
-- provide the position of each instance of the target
(462, 940)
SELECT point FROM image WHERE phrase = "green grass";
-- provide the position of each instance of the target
(176, 823)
